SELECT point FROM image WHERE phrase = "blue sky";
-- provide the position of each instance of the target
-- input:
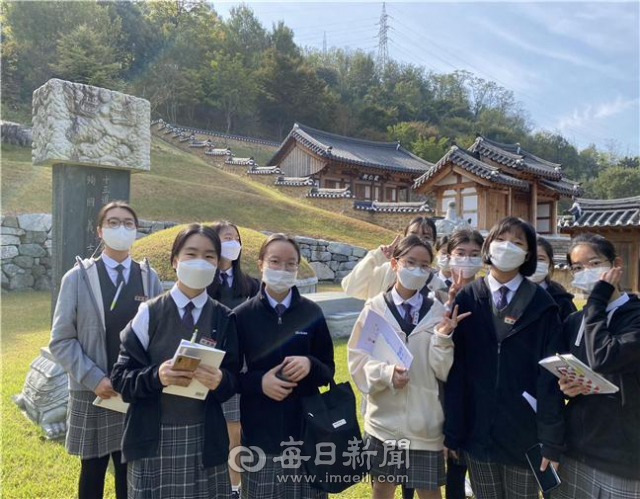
(574, 66)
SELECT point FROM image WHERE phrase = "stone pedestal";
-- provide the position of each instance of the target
(44, 395)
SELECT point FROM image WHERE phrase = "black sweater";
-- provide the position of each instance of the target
(485, 411)
(136, 377)
(563, 299)
(234, 296)
(603, 430)
(264, 343)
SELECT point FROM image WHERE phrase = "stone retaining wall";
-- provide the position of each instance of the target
(330, 260)
(26, 249)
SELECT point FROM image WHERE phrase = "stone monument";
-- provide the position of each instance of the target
(451, 221)
(93, 138)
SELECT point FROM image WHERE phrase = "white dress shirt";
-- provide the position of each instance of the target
(286, 300)
(110, 264)
(140, 323)
(415, 301)
(495, 286)
(229, 273)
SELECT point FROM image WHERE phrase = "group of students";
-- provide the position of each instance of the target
(475, 343)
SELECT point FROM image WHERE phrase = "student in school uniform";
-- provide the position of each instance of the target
(98, 297)
(288, 352)
(178, 446)
(231, 287)
(495, 377)
(404, 404)
(543, 275)
(603, 431)
(464, 260)
(373, 274)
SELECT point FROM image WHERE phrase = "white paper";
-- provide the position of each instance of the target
(211, 357)
(114, 404)
(379, 340)
(531, 400)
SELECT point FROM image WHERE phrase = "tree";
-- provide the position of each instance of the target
(615, 182)
(231, 86)
(86, 56)
(430, 149)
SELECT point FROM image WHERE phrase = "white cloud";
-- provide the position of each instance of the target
(588, 114)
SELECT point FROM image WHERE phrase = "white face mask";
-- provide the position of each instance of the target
(587, 279)
(119, 239)
(196, 274)
(230, 250)
(443, 262)
(413, 279)
(467, 265)
(542, 270)
(506, 256)
(279, 280)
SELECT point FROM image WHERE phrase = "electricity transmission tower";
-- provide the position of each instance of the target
(383, 39)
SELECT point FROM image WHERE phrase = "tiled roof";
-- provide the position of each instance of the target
(218, 152)
(383, 155)
(513, 156)
(265, 170)
(623, 212)
(563, 186)
(295, 181)
(469, 162)
(376, 206)
(317, 192)
(240, 161)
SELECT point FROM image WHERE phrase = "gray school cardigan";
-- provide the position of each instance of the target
(78, 333)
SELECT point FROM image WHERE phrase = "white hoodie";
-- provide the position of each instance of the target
(413, 412)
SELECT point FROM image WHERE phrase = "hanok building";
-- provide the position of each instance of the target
(491, 180)
(371, 171)
(616, 219)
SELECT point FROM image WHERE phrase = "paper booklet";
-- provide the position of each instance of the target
(209, 356)
(114, 404)
(575, 369)
(380, 340)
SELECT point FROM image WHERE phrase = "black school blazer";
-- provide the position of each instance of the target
(485, 412)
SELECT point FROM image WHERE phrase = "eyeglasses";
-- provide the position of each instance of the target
(279, 265)
(593, 264)
(410, 265)
(114, 223)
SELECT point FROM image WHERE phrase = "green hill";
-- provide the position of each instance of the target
(183, 188)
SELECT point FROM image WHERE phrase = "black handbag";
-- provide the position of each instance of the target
(330, 419)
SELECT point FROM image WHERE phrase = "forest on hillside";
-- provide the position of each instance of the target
(239, 76)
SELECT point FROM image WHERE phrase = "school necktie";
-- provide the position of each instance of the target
(280, 309)
(224, 279)
(407, 311)
(187, 318)
(502, 299)
(120, 278)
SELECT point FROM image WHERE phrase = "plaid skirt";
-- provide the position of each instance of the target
(422, 470)
(231, 409)
(501, 481)
(581, 480)
(177, 471)
(275, 482)
(92, 431)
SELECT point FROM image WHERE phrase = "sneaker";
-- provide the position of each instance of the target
(235, 494)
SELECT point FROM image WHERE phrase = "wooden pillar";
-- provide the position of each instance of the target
(534, 204)
(554, 217)
(510, 202)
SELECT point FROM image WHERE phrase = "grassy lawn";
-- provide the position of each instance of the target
(183, 188)
(33, 467)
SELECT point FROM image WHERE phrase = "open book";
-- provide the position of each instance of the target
(209, 356)
(575, 369)
(379, 340)
(113, 403)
